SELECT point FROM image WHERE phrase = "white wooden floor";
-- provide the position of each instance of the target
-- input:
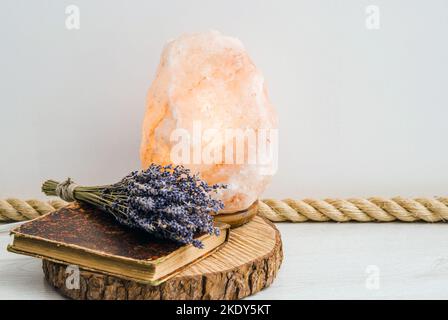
(322, 261)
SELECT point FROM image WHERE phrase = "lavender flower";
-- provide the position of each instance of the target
(168, 202)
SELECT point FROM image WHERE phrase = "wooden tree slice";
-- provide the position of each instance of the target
(248, 263)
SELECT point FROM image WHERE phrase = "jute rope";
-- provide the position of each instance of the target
(19, 210)
(340, 210)
(356, 209)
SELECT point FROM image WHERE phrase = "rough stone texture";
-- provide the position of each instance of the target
(257, 265)
(209, 78)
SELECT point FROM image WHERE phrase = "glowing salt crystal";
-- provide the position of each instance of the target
(207, 91)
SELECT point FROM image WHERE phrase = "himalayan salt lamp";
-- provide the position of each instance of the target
(208, 109)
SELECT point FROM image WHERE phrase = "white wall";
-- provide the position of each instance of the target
(362, 112)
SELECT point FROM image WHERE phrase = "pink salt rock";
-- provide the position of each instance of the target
(206, 84)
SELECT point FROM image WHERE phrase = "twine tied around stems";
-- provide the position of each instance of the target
(66, 190)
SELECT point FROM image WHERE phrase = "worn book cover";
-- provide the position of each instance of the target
(88, 237)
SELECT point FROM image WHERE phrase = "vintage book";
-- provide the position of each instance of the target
(93, 240)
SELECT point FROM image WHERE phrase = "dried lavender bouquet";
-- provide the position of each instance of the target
(168, 202)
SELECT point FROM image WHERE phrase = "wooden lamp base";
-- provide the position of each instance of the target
(238, 218)
(248, 263)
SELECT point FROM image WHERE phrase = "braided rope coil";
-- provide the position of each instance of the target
(356, 209)
(340, 210)
(19, 210)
